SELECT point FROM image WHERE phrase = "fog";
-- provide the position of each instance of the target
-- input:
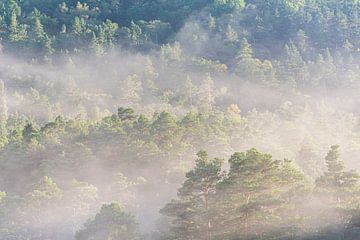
(276, 120)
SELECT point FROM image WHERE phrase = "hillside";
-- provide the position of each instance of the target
(179, 120)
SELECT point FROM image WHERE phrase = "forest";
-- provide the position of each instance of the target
(179, 120)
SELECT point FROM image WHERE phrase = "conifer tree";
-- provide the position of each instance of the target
(254, 195)
(292, 69)
(112, 222)
(96, 45)
(207, 94)
(192, 212)
(338, 184)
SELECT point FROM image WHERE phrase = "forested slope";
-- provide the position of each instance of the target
(117, 116)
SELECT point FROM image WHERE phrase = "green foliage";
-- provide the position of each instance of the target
(205, 75)
(255, 196)
(286, 36)
(193, 211)
(259, 198)
(336, 182)
(110, 223)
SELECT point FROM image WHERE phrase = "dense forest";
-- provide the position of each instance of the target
(179, 120)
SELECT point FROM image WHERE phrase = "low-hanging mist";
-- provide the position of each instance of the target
(116, 120)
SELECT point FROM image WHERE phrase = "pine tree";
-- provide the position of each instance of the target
(126, 114)
(3, 28)
(47, 46)
(110, 223)
(130, 90)
(17, 31)
(44, 190)
(231, 34)
(206, 94)
(308, 161)
(337, 184)
(194, 130)
(211, 22)
(38, 29)
(149, 77)
(252, 69)
(110, 33)
(165, 130)
(13, 28)
(301, 41)
(323, 71)
(190, 89)
(292, 69)
(30, 133)
(268, 74)
(254, 195)
(63, 29)
(193, 211)
(135, 32)
(246, 51)
(78, 26)
(97, 46)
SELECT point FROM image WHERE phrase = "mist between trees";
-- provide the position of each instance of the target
(156, 120)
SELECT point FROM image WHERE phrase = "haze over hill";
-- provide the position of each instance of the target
(155, 120)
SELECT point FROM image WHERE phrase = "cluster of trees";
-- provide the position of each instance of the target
(301, 45)
(47, 211)
(134, 143)
(262, 198)
(222, 75)
(42, 28)
(67, 168)
(256, 198)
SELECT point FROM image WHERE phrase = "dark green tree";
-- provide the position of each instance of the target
(257, 199)
(337, 184)
(193, 212)
(110, 223)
